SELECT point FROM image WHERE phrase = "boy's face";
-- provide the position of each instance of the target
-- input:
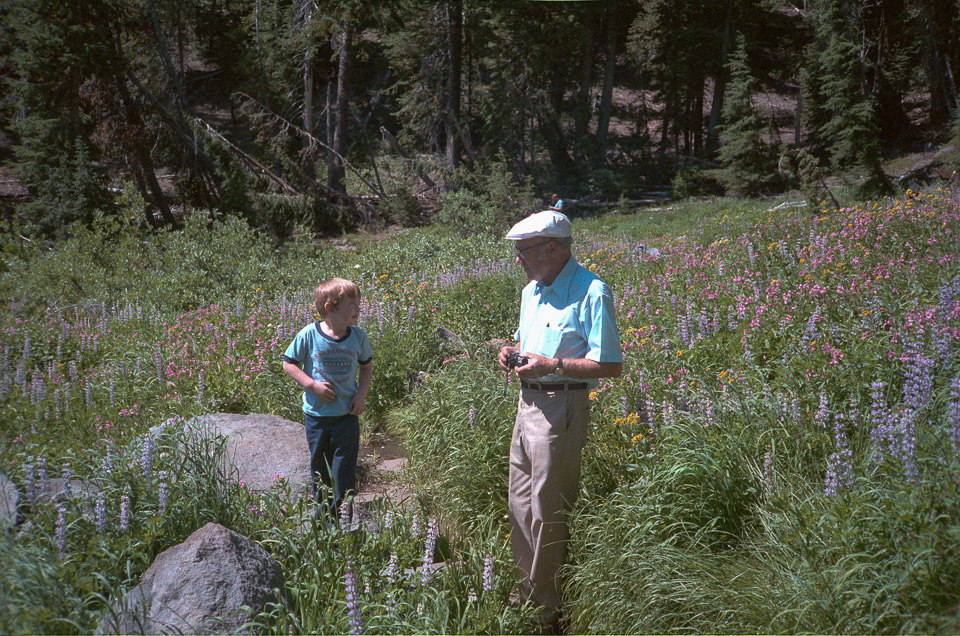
(347, 312)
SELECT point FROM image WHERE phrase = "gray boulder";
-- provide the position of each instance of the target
(198, 587)
(261, 446)
(9, 501)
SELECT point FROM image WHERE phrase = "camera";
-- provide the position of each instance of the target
(516, 360)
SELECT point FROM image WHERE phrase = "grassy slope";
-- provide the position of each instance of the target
(679, 527)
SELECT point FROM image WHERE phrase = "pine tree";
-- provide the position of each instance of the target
(747, 159)
(850, 129)
(60, 50)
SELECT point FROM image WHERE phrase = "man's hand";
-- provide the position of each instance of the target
(324, 390)
(537, 366)
(504, 354)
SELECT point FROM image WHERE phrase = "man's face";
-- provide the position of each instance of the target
(533, 254)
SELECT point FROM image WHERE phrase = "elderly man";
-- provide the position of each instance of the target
(568, 335)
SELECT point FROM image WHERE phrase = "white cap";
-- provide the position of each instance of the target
(546, 224)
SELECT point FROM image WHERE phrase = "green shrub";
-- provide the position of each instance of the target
(693, 181)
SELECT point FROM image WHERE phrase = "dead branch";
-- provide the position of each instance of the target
(247, 158)
(396, 146)
(313, 140)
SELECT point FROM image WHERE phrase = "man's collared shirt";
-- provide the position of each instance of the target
(571, 318)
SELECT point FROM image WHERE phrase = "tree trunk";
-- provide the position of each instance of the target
(798, 119)
(556, 147)
(454, 12)
(943, 89)
(696, 121)
(719, 88)
(150, 186)
(331, 121)
(581, 114)
(606, 97)
(336, 176)
(308, 124)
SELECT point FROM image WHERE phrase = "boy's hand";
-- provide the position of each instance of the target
(357, 405)
(324, 390)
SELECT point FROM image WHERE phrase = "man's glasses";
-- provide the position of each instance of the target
(521, 253)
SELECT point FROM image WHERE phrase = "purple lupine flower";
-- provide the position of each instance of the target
(667, 413)
(823, 411)
(100, 513)
(388, 520)
(488, 581)
(472, 417)
(108, 462)
(651, 415)
(710, 418)
(158, 363)
(61, 530)
(918, 382)
(200, 386)
(430, 546)
(733, 320)
(124, 512)
(29, 485)
(393, 569)
(353, 602)
(43, 480)
(415, 528)
(625, 405)
(768, 476)
(88, 393)
(839, 475)
(162, 491)
(810, 332)
(146, 455)
(908, 445)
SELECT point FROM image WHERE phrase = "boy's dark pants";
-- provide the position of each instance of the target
(334, 443)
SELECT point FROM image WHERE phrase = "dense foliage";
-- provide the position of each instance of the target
(333, 115)
(782, 453)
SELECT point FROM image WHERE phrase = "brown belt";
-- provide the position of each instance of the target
(553, 386)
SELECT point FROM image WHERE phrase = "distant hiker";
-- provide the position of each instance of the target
(556, 203)
(333, 362)
(568, 332)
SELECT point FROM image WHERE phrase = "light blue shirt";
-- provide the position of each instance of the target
(571, 318)
(326, 359)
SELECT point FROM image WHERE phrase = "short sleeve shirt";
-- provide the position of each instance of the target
(327, 359)
(571, 318)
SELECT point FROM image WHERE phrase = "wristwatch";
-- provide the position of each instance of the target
(559, 370)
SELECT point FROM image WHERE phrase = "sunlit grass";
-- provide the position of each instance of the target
(780, 455)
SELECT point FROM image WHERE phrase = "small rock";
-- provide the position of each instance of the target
(9, 502)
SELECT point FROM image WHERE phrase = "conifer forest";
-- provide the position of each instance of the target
(338, 114)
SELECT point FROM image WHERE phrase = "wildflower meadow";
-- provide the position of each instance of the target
(781, 454)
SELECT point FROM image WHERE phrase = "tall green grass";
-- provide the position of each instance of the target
(746, 474)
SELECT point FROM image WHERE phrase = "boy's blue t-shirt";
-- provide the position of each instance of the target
(326, 359)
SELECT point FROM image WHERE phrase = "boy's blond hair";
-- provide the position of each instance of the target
(333, 291)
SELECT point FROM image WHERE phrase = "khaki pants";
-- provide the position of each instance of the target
(548, 437)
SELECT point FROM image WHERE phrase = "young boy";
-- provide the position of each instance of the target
(332, 360)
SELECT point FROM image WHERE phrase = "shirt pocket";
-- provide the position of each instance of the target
(550, 341)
